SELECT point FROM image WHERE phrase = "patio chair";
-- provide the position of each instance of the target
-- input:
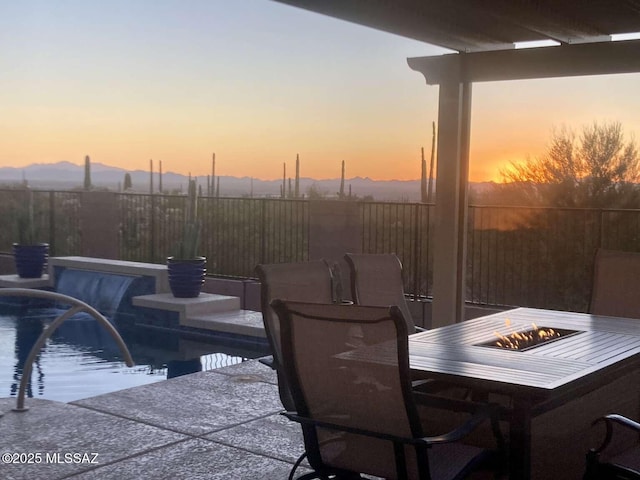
(348, 368)
(624, 465)
(616, 275)
(302, 281)
(376, 280)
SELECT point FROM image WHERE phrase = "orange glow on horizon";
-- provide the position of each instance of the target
(403, 165)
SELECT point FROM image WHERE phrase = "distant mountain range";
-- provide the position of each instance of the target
(66, 176)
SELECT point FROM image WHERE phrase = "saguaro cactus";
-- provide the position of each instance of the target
(433, 156)
(127, 182)
(213, 175)
(87, 173)
(188, 245)
(296, 192)
(341, 192)
(283, 189)
(151, 176)
(423, 178)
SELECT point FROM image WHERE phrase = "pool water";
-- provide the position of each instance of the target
(81, 360)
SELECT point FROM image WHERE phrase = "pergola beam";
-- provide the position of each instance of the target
(562, 61)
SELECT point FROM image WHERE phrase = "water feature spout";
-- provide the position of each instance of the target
(103, 291)
(76, 307)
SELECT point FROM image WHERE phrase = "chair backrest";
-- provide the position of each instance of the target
(301, 281)
(615, 281)
(348, 365)
(376, 280)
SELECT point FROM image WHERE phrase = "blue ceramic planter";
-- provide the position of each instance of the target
(30, 260)
(186, 276)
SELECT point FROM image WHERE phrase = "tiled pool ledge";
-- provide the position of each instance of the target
(218, 424)
(208, 311)
(14, 281)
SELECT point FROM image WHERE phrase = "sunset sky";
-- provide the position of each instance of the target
(256, 82)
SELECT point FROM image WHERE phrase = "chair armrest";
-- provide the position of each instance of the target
(467, 404)
(268, 361)
(619, 419)
(609, 421)
(486, 412)
(433, 388)
(293, 416)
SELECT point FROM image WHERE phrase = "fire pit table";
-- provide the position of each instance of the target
(560, 385)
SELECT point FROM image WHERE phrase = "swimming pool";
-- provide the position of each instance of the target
(81, 360)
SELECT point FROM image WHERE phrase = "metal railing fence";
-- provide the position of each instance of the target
(541, 257)
(528, 256)
(56, 218)
(236, 235)
(404, 229)
(525, 256)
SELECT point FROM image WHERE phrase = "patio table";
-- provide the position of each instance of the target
(586, 365)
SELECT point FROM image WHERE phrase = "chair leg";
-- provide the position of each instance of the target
(296, 465)
(339, 476)
(312, 476)
(321, 476)
(593, 470)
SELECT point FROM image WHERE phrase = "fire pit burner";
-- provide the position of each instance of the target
(527, 339)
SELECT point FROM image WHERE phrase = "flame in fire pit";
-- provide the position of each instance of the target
(525, 339)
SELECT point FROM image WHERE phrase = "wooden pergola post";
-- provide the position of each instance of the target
(454, 119)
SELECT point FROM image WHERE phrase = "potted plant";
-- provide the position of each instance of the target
(30, 255)
(186, 268)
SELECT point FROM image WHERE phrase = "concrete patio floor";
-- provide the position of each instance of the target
(221, 424)
(218, 424)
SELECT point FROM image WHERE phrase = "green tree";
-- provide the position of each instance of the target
(554, 247)
(315, 192)
(597, 168)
